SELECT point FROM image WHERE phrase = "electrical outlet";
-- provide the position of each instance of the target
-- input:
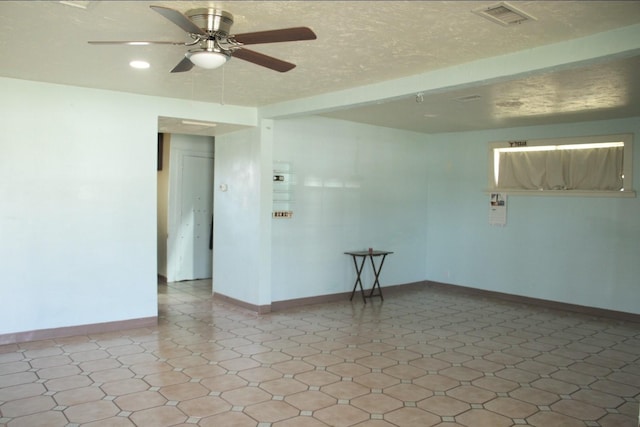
(282, 214)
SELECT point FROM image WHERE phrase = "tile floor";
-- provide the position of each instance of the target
(420, 358)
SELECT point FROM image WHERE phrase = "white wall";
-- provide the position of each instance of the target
(423, 196)
(78, 191)
(78, 202)
(577, 250)
(237, 223)
(356, 187)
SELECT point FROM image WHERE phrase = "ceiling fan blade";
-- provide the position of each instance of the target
(263, 60)
(275, 36)
(184, 65)
(179, 19)
(135, 43)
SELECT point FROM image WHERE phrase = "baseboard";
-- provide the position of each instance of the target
(68, 331)
(260, 309)
(341, 296)
(590, 311)
(299, 302)
(392, 289)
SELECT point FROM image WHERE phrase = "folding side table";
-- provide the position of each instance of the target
(376, 272)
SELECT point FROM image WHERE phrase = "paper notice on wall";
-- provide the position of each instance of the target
(498, 209)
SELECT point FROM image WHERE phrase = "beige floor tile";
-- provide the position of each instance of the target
(68, 383)
(27, 406)
(554, 386)
(183, 391)
(162, 416)
(166, 378)
(91, 411)
(345, 390)
(310, 400)
(300, 421)
(377, 403)
(108, 375)
(579, 410)
(435, 382)
(221, 383)
(245, 396)
(239, 363)
(272, 411)
(495, 384)
(49, 419)
(412, 417)
(317, 378)
(293, 367)
(444, 406)
(375, 423)
(341, 415)
(142, 400)
(406, 392)
(483, 418)
(21, 391)
(598, 398)
(78, 395)
(512, 408)
(204, 406)
(349, 369)
(553, 419)
(534, 396)
(283, 386)
(121, 387)
(111, 422)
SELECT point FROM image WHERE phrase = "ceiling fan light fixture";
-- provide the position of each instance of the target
(207, 59)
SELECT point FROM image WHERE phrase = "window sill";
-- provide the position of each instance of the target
(565, 193)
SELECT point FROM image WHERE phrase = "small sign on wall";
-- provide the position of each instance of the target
(498, 209)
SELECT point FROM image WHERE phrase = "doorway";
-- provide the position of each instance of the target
(185, 208)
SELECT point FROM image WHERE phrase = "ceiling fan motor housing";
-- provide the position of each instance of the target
(212, 20)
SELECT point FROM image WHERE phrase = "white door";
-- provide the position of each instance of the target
(194, 258)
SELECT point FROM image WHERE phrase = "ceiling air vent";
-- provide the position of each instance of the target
(504, 14)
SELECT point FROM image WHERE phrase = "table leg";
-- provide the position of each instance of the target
(358, 279)
(376, 274)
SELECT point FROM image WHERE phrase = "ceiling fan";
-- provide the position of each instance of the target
(212, 45)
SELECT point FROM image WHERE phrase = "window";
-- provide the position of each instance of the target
(596, 165)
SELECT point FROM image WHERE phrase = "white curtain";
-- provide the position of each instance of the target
(587, 169)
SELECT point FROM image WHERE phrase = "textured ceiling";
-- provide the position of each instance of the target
(359, 43)
(597, 92)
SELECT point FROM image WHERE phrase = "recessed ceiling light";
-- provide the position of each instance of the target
(195, 123)
(79, 4)
(139, 64)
